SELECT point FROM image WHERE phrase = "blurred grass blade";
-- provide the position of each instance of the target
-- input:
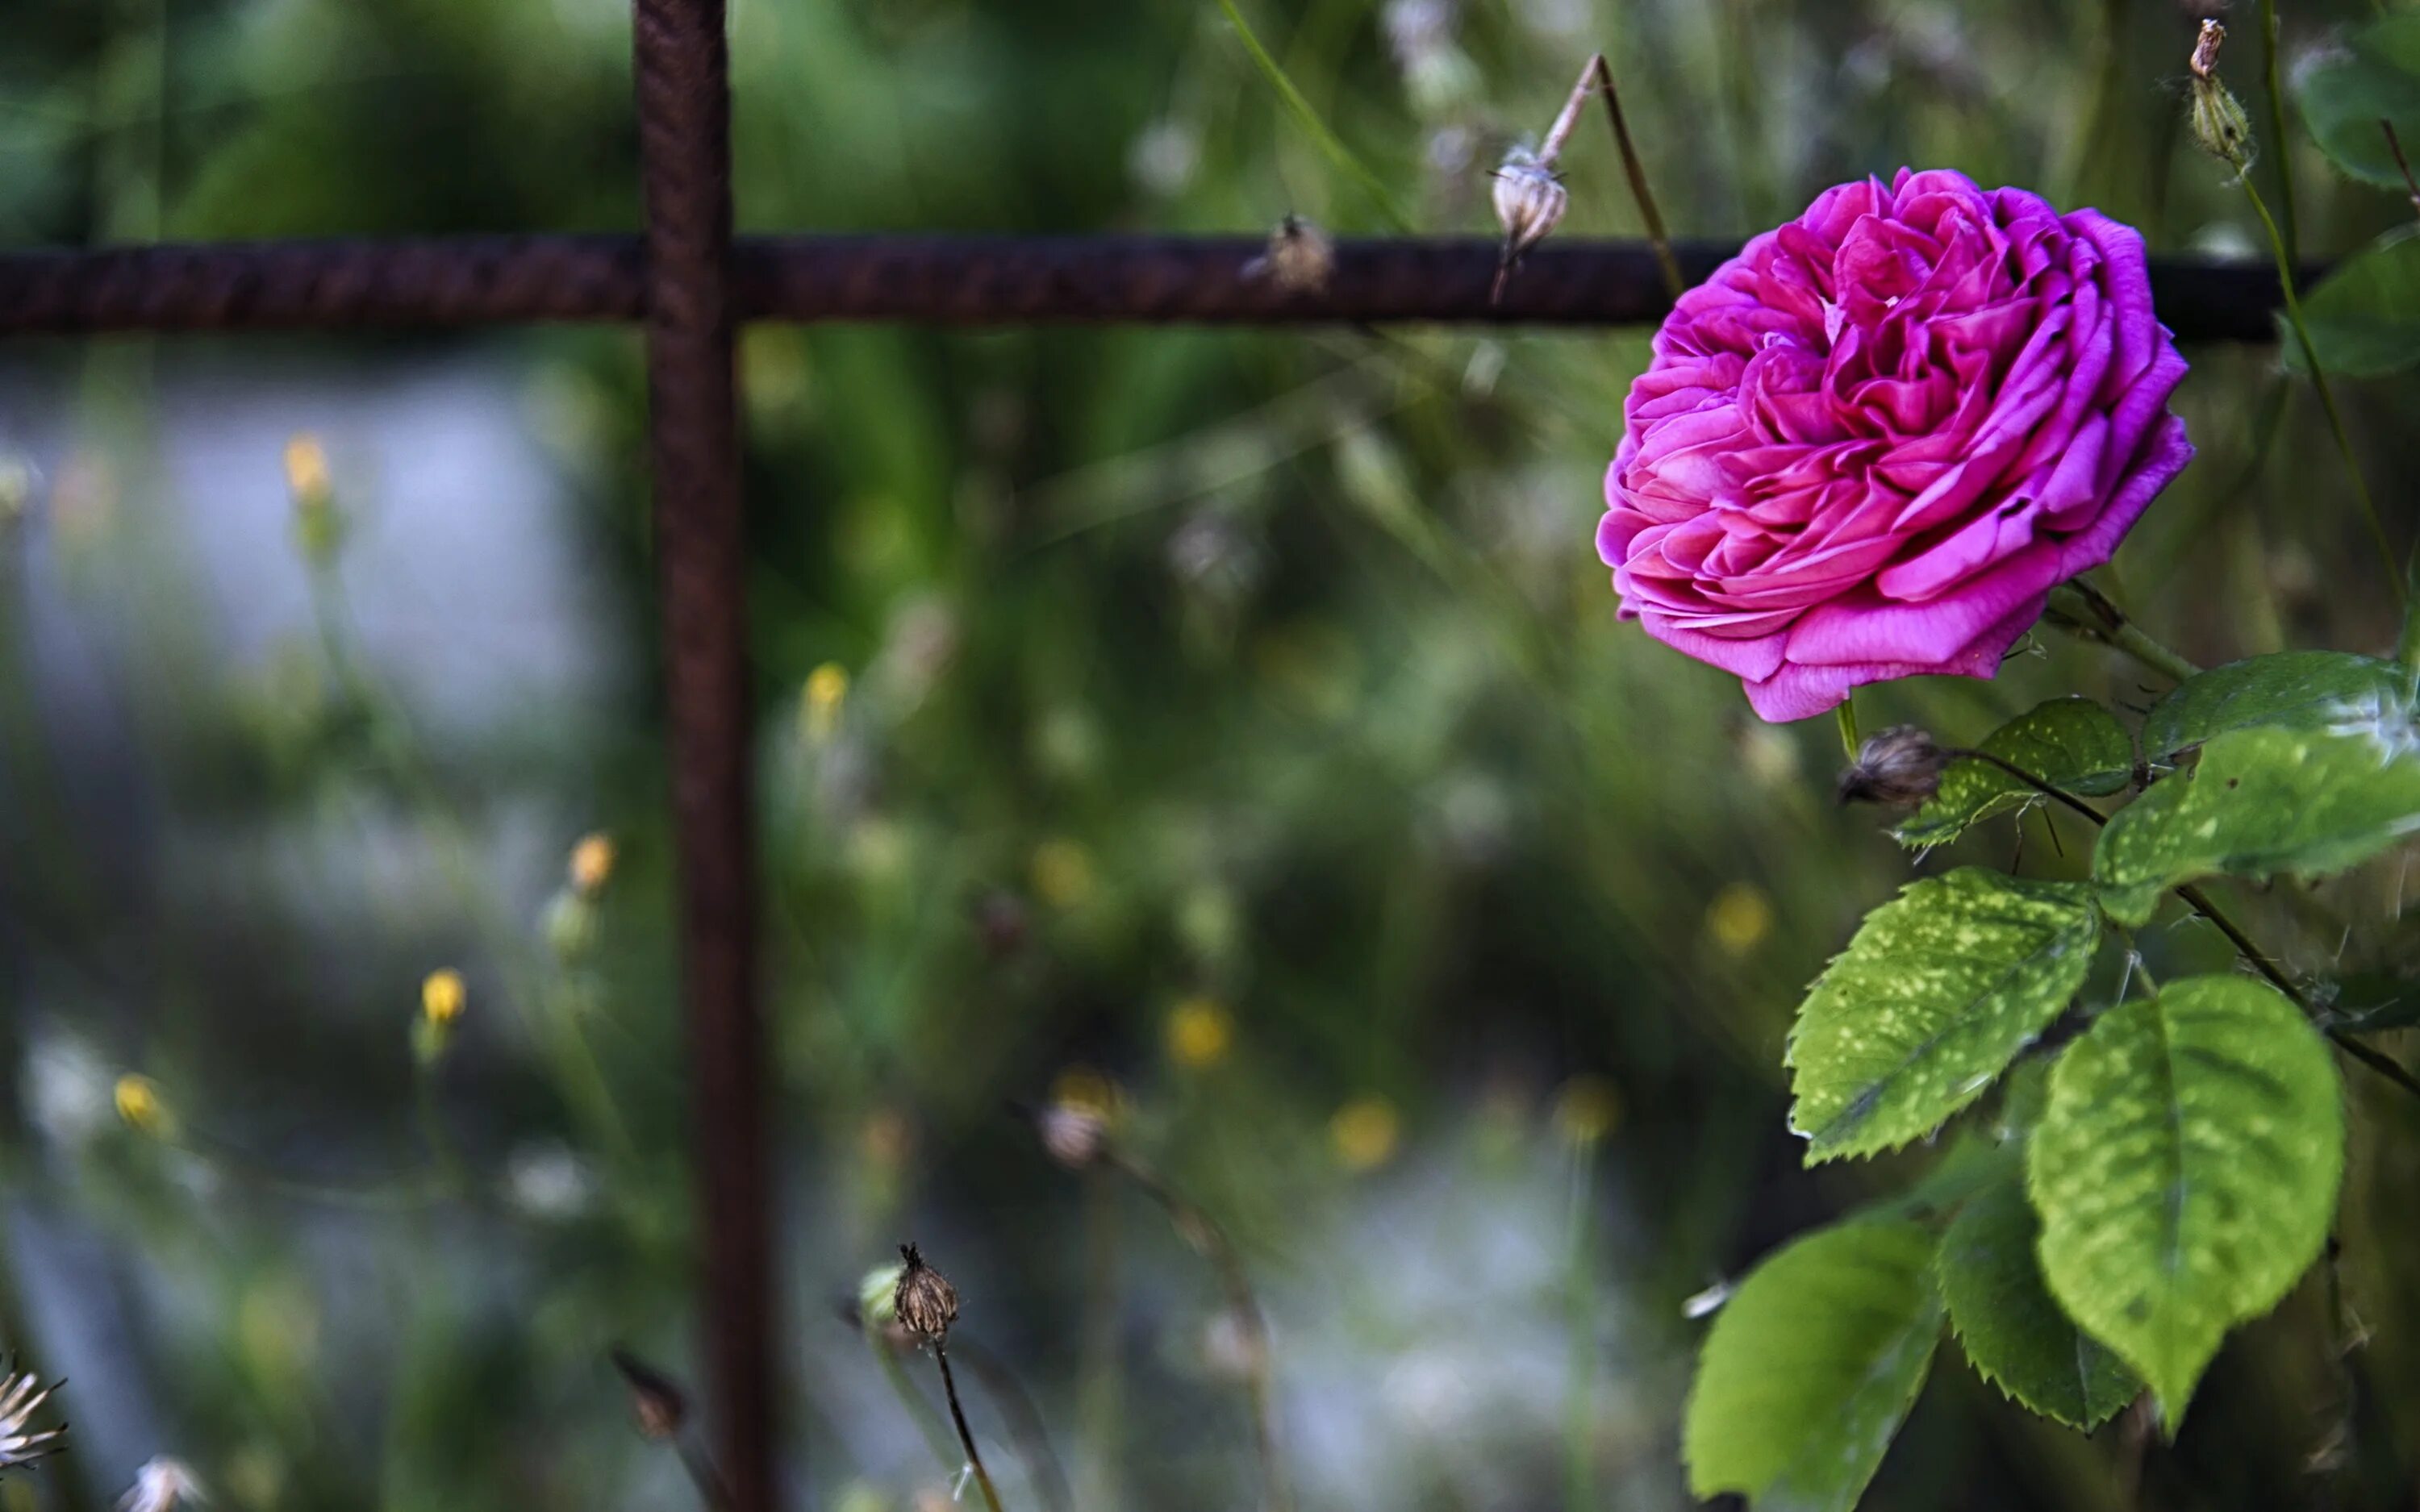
(1328, 141)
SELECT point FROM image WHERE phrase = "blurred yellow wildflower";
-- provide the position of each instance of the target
(1364, 1132)
(142, 1107)
(1084, 1089)
(442, 995)
(592, 864)
(820, 700)
(1740, 917)
(317, 527)
(306, 469)
(1062, 872)
(1587, 1109)
(1201, 1031)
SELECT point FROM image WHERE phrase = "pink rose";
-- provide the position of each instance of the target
(1870, 446)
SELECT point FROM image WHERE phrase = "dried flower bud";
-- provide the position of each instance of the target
(657, 1404)
(1529, 203)
(1300, 260)
(1073, 1135)
(2219, 125)
(1901, 766)
(924, 1301)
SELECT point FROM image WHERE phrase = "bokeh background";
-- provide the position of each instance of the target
(1233, 730)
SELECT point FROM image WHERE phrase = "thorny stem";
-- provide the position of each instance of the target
(2199, 902)
(1637, 172)
(2319, 382)
(966, 1434)
(1196, 1229)
(2105, 622)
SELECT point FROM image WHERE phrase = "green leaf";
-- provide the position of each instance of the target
(1812, 1367)
(2185, 1172)
(2012, 1331)
(2365, 316)
(2297, 690)
(2345, 97)
(2073, 743)
(2261, 802)
(1937, 993)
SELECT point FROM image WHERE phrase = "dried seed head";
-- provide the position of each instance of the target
(1300, 260)
(21, 1398)
(1072, 1134)
(1529, 203)
(1899, 767)
(924, 1301)
(657, 1404)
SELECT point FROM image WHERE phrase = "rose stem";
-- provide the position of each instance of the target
(2277, 131)
(1636, 173)
(2319, 379)
(966, 1434)
(1195, 1226)
(1847, 715)
(2111, 628)
(2394, 145)
(2199, 902)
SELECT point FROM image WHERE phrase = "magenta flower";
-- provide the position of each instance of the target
(1874, 441)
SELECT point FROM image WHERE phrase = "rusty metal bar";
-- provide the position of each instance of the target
(681, 66)
(479, 281)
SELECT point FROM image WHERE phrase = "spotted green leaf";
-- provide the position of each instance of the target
(2346, 93)
(1812, 1365)
(2073, 743)
(2185, 1171)
(1937, 993)
(2012, 1331)
(2295, 690)
(2261, 802)
(2365, 316)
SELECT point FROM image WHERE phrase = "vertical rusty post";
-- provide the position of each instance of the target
(682, 65)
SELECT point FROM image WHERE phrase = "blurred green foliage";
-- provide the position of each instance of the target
(1270, 671)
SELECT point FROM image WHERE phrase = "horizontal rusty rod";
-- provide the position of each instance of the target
(952, 280)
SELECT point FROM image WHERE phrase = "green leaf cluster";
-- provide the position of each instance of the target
(2163, 1177)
